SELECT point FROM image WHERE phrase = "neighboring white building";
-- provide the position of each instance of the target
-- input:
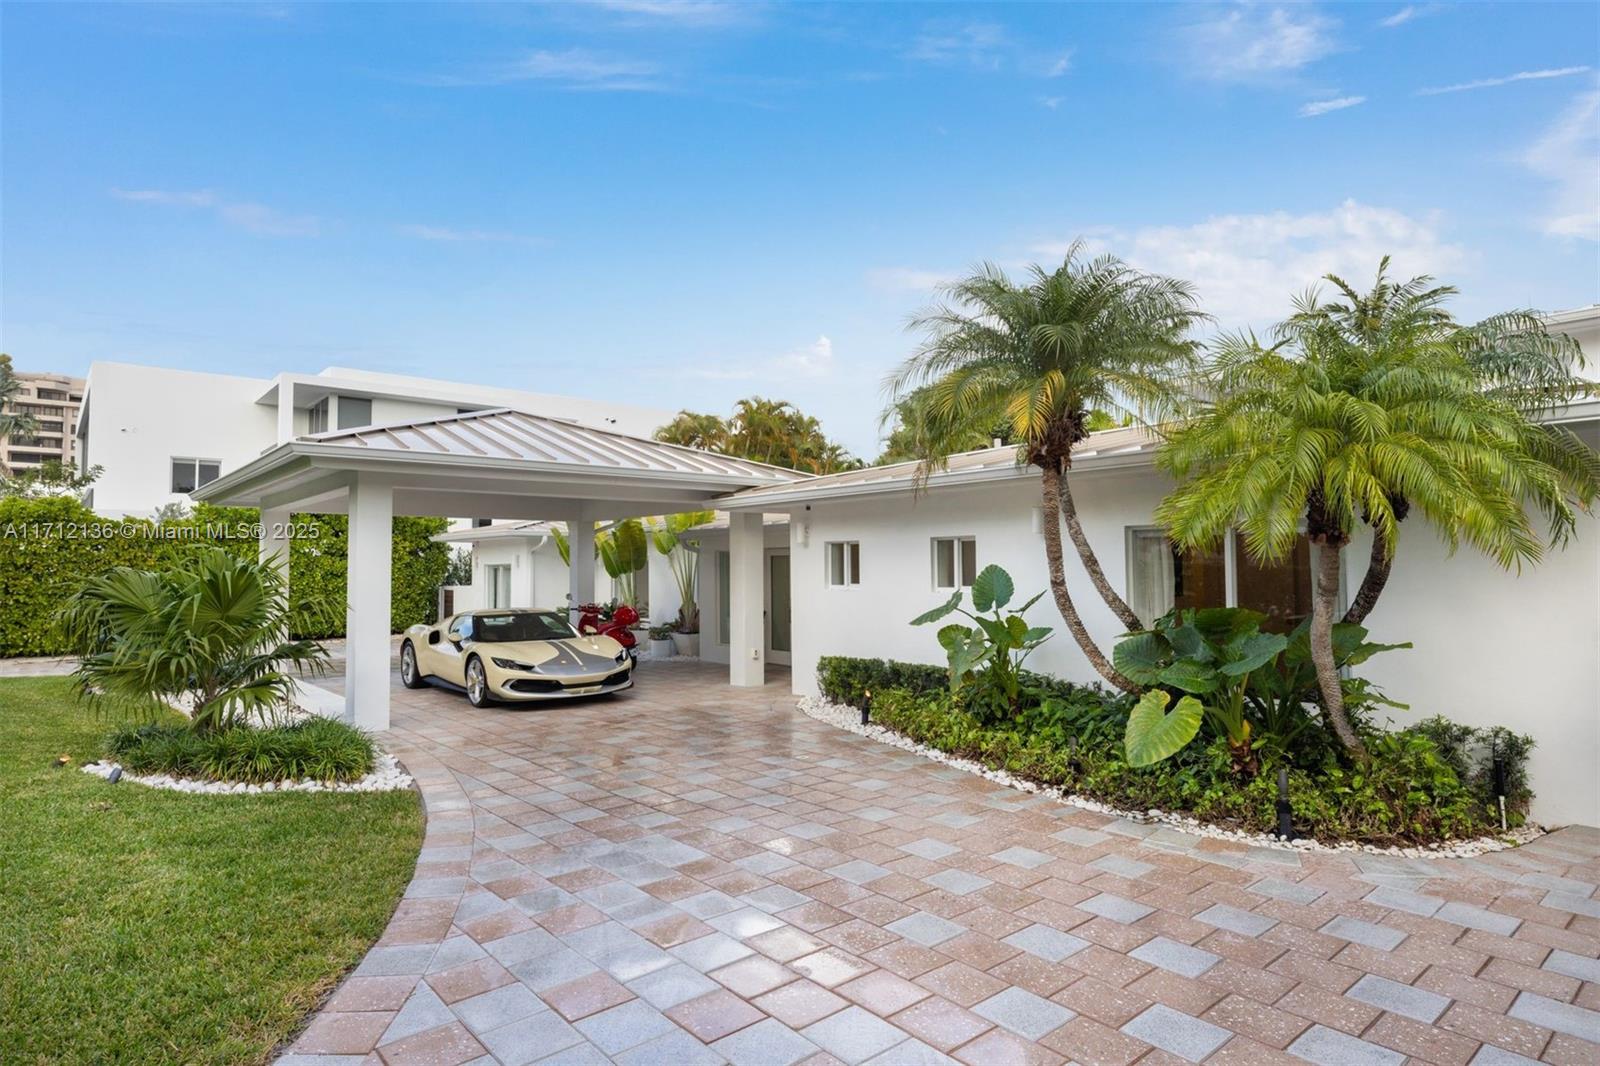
(160, 433)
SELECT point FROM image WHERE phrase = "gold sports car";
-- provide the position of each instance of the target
(520, 656)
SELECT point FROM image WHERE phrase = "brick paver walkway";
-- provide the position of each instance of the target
(694, 873)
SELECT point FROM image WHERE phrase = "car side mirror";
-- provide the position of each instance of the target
(433, 638)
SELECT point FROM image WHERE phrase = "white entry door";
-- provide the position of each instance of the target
(780, 630)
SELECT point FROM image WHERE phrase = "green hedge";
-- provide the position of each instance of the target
(49, 546)
(845, 679)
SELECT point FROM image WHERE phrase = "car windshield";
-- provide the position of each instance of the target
(521, 625)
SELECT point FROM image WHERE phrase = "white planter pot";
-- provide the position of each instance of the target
(662, 649)
(687, 644)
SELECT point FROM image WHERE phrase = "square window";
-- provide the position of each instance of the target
(955, 562)
(844, 563)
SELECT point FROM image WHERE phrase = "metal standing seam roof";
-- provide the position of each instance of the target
(503, 433)
(1129, 441)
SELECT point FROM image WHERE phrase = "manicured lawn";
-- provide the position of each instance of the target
(145, 926)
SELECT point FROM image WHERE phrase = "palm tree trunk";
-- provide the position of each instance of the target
(1091, 562)
(1323, 604)
(1051, 476)
(1372, 584)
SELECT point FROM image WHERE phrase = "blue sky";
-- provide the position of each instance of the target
(682, 204)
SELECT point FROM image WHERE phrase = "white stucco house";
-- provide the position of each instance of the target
(843, 562)
(798, 567)
(158, 433)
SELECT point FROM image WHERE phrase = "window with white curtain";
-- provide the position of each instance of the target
(1161, 578)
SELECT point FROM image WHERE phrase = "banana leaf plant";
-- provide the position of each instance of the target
(986, 657)
(671, 539)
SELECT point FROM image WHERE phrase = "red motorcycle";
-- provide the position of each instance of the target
(609, 620)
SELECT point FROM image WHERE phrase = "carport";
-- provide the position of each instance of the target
(500, 463)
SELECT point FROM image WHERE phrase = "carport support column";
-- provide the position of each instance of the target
(370, 555)
(746, 600)
(580, 574)
(275, 539)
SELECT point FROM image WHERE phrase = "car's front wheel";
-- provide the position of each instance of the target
(477, 683)
(410, 673)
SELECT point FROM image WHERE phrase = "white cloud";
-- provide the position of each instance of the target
(679, 12)
(577, 69)
(814, 360)
(1489, 83)
(1052, 102)
(252, 217)
(985, 46)
(1568, 154)
(978, 44)
(907, 279)
(1248, 42)
(453, 234)
(1401, 17)
(1247, 268)
(1322, 107)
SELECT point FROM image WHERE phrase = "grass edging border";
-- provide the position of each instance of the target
(848, 718)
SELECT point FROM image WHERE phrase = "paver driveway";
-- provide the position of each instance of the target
(694, 873)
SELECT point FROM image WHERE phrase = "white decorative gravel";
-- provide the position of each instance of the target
(849, 718)
(388, 777)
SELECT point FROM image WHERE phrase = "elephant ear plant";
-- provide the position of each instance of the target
(1209, 656)
(1251, 686)
(986, 658)
(213, 628)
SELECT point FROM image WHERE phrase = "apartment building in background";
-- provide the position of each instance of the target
(54, 401)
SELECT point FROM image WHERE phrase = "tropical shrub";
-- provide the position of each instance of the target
(671, 539)
(319, 749)
(1409, 791)
(1253, 687)
(848, 680)
(986, 658)
(211, 628)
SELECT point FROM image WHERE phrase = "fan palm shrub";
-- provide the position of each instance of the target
(1041, 357)
(213, 628)
(1513, 355)
(1325, 431)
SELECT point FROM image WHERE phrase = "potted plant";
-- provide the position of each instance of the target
(661, 644)
(683, 555)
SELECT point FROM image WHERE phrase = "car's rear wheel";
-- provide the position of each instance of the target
(410, 672)
(477, 683)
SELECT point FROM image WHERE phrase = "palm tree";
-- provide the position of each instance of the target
(1041, 357)
(13, 423)
(1514, 356)
(693, 430)
(1337, 430)
(212, 628)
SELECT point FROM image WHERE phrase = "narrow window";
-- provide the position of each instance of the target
(498, 578)
(183, 475)
(844, 563)
(724, 596)
(955, 562)
(317, 417)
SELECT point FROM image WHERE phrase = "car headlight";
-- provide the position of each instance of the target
(622, 656)
(512, 664)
